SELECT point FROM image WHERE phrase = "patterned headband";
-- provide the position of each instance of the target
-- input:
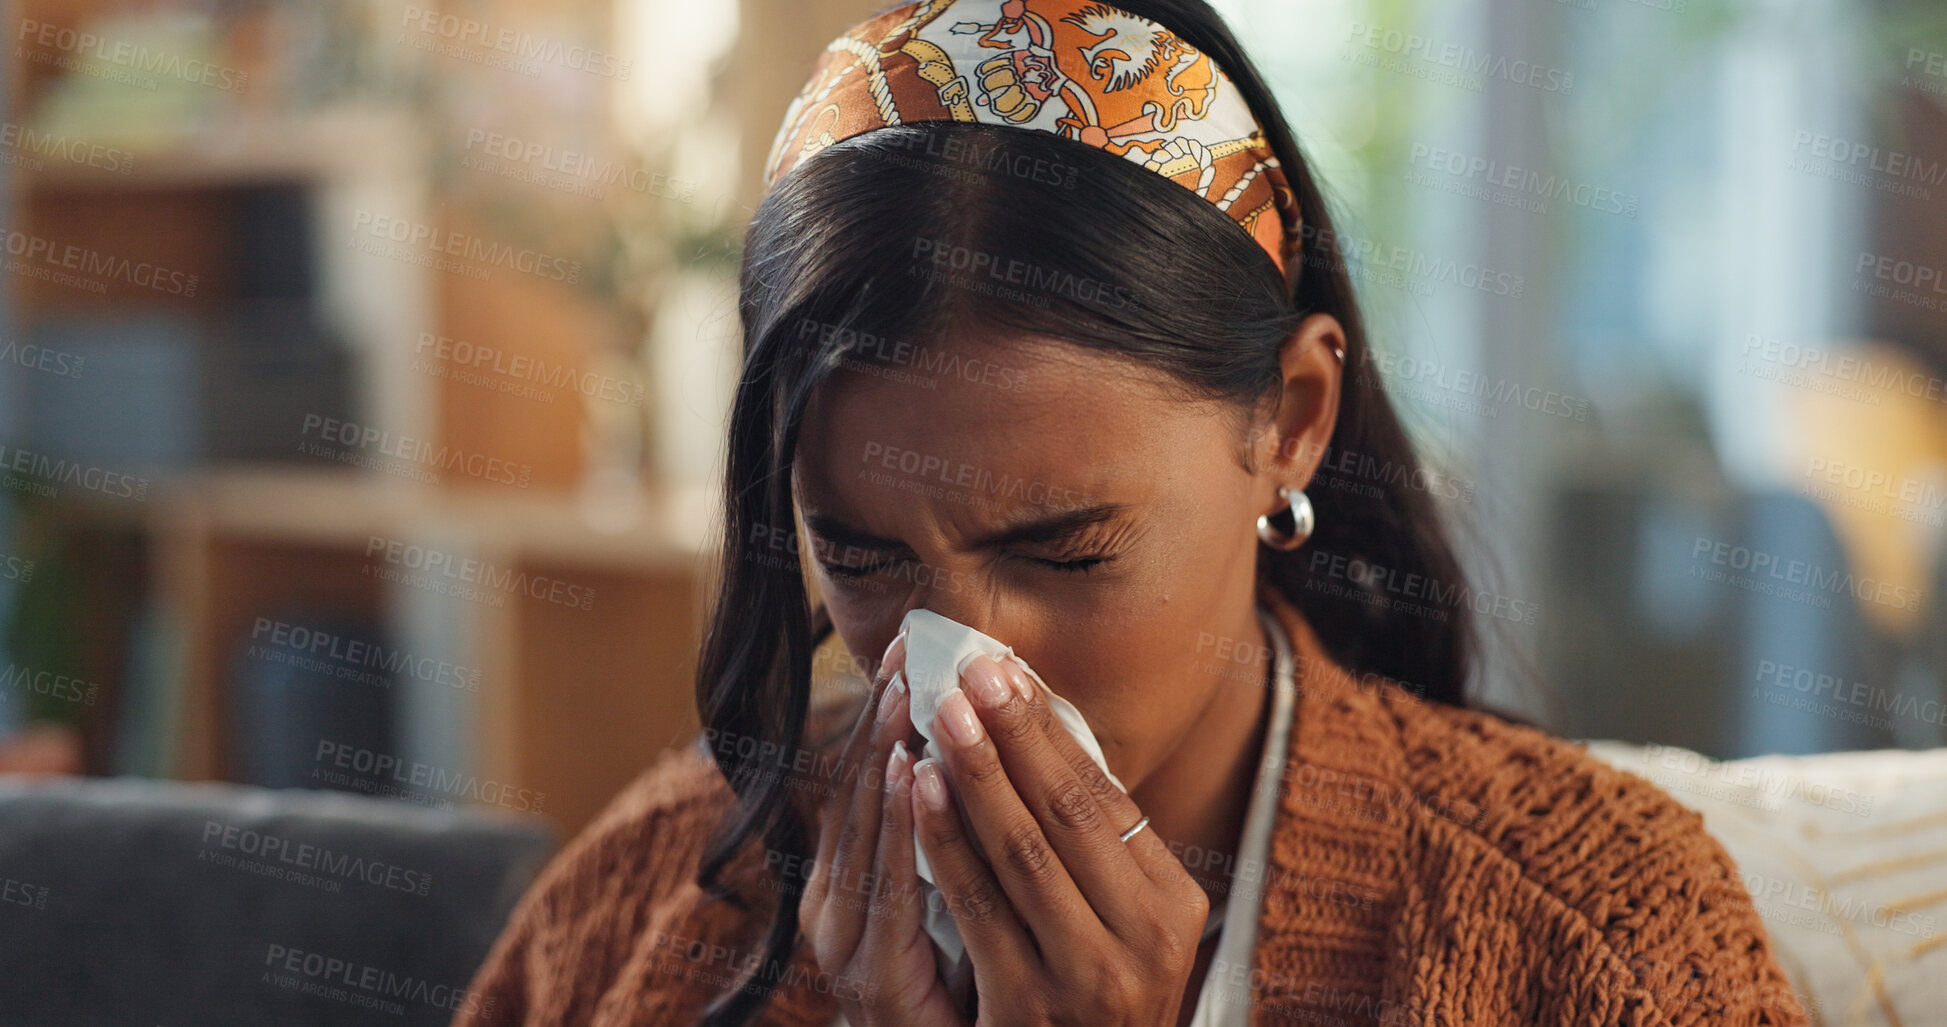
(1083, 71)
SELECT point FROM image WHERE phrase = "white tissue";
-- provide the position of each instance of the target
(937, 649)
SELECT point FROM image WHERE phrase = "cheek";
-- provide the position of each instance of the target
(1134, 682)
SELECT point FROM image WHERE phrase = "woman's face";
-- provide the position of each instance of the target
(1059, 499)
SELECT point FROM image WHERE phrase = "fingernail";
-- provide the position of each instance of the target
(894, 689)
(984, 680)
(897, 765)
(931, 785)
(891, 647)
(1018, 677)
(958, 717)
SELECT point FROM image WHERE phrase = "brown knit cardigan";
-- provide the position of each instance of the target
(1428, 865)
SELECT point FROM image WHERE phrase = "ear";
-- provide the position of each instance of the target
(1291, 444)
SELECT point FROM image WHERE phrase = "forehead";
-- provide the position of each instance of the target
(1055, 413)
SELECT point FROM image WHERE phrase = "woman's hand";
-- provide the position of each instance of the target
(1070, 924)
(861, 906)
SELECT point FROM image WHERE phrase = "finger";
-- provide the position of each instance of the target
(844, 774)
(1036, 883)
(996, 939)
(1120, 811)
(1047, 767)
(896, 950)
(858, 836)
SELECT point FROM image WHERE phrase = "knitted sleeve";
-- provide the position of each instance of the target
(1689, 932)
(1625, 882)
(588, 933)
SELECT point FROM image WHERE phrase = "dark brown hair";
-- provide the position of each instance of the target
(833, 247)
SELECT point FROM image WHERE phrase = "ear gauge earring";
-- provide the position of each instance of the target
(1303, 519)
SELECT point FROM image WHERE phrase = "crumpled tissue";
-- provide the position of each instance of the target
(938, 648)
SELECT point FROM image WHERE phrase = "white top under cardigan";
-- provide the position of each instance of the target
(1219, 1005)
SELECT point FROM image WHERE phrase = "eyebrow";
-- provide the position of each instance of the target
(1051, 528)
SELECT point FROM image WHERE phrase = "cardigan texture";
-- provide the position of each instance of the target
(1428, 865)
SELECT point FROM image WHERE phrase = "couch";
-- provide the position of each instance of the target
(130, 901)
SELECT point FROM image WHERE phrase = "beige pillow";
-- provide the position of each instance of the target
(1845, 856)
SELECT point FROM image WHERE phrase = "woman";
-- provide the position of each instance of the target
(1045, 332)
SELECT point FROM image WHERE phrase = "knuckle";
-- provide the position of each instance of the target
(982, 770)
(1180, 884)
(1092, 777)
(1015, 724)
(1028, 853)
(888, 899)
(946, 831)
(1115, 989)
(1074, 808)
(980, 903)
(848, 839)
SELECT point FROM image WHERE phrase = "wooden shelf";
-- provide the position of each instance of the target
(574, 700)
(340, 144)
(340, 509)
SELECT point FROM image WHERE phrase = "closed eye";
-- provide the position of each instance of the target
(839, 570)
(1081, 566)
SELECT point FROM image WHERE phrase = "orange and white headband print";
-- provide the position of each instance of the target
(1084, 71)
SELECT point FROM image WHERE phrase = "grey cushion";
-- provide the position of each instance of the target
(128, 901)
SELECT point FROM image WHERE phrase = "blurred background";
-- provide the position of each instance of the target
(365, 363)
(364, 366)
